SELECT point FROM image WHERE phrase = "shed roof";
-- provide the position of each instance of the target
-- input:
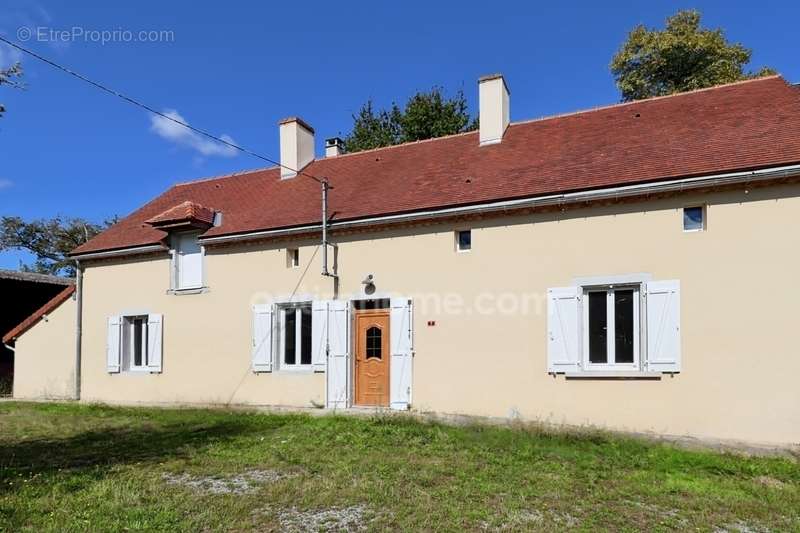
(37, 315)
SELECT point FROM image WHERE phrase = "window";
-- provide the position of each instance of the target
(292, 258)
(188, 262)
(609, 326)
(374, 342)
(694, 218)
(464, 240)
(612, 327)
(295, 335)
(135, 343)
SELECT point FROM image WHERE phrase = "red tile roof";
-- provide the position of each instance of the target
(741, 126)
(184, 213)
(46, 309)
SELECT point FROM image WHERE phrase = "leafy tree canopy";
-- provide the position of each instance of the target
(50, 240)
(11, 76)
(682, 57)
(426, 115)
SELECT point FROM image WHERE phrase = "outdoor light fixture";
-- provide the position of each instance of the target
(369, 284)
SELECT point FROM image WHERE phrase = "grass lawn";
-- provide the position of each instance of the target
(70, 467)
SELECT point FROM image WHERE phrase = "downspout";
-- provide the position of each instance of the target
(78, 328)
(325, 228)
(325, 271)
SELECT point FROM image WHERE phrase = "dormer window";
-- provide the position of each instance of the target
(185, 223)
(188, 261)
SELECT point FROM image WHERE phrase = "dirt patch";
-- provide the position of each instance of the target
(245, 483)
(566, 520)
(341, 519)
(663, 514)
(527, 519)
(770, 482)
(515, 521)
(741, 527)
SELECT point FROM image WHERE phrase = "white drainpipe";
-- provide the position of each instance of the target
(78, 328)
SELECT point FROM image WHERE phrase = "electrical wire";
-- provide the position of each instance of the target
(154, 111)
(289, 300)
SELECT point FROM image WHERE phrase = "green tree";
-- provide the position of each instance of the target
(11, 76)
(682, 57)
(425, 115)
(373, 129)
(50, 240)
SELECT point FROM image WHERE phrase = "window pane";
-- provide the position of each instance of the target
(374, 337)
(623, 326)
(289, 336)
(305, 330)
(136, 324)
(292, 257)
(692, 218)
(465, 240)
(598, 322)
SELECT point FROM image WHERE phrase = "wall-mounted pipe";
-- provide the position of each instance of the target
(78, 326)
(325, 188)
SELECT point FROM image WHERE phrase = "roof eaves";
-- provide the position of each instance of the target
(138, 249)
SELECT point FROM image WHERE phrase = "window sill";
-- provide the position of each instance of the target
(184, 292)
(297, 371)
(611, 374)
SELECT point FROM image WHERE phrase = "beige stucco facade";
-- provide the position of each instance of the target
(480, 317)
(44, 356)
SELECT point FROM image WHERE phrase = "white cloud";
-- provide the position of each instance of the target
(180, 135)
(5, 184)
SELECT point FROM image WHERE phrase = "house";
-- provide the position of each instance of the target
(627, 267)
(23, 293)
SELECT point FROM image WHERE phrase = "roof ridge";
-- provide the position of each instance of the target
(643, 100)
(222, 176)
(471, 132)
(410, 143)
(316, 160)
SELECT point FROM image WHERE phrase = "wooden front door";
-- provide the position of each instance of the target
(372, 357)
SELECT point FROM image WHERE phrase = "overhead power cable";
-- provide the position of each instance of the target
(153, 110)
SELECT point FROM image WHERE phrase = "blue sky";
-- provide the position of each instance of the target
(236, 68)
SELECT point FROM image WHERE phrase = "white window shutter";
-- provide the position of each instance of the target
(338, 371)
(400, 370)
(663, 326)
(263, 325)
(564, 329)
(113, 344)
(319, 335)
(154, 342)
